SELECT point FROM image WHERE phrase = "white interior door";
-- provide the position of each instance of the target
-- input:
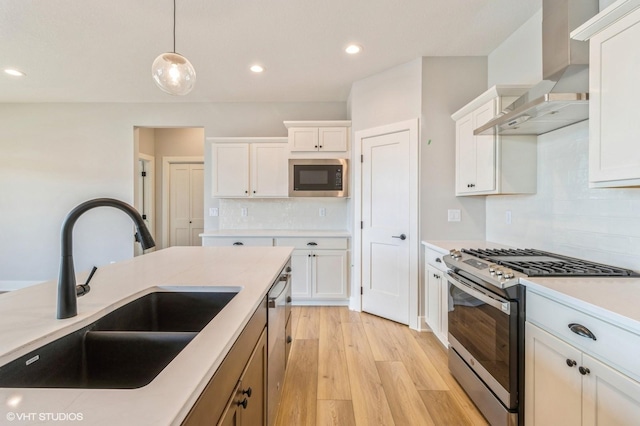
(386, 225)
(186, 204)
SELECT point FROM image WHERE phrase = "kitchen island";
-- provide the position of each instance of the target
(28, 321)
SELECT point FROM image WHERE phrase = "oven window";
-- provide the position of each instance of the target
(483, 330)
(314, 177)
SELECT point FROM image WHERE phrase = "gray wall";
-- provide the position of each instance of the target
(55, 156)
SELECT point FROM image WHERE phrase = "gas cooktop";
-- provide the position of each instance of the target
(538, 263)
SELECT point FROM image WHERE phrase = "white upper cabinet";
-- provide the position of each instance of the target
(614, 37)
(249, 167)
(489, 164)
(319, 136)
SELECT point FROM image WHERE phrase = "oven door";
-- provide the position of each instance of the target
(483, 332)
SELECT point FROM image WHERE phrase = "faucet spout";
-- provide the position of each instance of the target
(67, 299)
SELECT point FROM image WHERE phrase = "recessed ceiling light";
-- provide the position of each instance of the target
(14, 73)
(257, 68)
(352, 49)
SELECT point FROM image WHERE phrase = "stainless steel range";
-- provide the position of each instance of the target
(486, 321)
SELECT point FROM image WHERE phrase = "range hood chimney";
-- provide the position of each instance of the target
(561, 98)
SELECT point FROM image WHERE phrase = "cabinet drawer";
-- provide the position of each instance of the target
(434, 258)
(236, 241)
(615, 346)
(314, 243)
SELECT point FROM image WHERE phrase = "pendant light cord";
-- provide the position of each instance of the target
(174, 26)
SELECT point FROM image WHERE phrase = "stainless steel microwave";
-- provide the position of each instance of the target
(318, 177)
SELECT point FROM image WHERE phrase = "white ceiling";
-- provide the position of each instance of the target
(102, 50)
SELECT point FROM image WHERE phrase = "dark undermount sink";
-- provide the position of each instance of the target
(125, 349)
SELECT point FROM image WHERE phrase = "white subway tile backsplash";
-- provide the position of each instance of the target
(565, 215)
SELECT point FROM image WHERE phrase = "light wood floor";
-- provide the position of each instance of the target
(348, 368)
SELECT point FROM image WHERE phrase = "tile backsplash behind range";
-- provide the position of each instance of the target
(565, 216)
(284, 213)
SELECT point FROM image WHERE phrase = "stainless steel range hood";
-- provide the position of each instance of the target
(561, 99)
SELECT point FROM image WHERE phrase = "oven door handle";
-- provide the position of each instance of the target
(490, 300)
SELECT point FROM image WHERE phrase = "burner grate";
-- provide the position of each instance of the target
(538, 263)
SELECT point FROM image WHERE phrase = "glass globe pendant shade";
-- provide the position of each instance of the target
(173, 73)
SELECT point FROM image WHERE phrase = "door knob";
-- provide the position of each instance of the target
(401, 236)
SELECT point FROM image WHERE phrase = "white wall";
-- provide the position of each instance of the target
(564, 216)
(55, 156)
(518, 60)
(448, 83)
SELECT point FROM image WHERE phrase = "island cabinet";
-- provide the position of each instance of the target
(237, 393)
(436, 293)
(614, 36)
(318, 136)
(578, 379)
(319, 270)
(249, 167)
(491, 164)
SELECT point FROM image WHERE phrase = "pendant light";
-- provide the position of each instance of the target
(172, 72)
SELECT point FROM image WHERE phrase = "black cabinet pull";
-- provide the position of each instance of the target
(254, 192)
(289, 339)
(238, 243)
(247, 392)
(581, 330)
(438, 260)
(246, 192)
(288, 269)
(288, 299)
(571, 362)
(583, 370)
(312, 244)
(243, 403)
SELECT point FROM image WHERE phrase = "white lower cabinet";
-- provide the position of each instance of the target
(318, 275)
(436, 303)
(566, 385)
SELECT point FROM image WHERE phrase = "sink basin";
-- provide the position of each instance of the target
(125, 349)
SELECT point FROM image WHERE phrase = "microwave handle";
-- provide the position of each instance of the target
(458, 281)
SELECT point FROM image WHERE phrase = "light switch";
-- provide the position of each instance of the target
(213, 211)
(243, 211)
(322, 212)
(507, 217)
(453, 215)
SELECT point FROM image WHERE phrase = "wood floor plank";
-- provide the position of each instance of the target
(405, 402)
(380, 340)
(299, 396)
(438, 355)
(309, 323)
(335, 413)
(370, 404)
(333, 374)
(295, 316)
(444, 409)
(347, 315)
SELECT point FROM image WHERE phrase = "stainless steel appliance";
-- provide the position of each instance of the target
(486, 321)
(318, 177)
(278, 339)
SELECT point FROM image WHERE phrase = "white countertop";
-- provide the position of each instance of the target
(611, 299)
(274, 233)
(28, 321)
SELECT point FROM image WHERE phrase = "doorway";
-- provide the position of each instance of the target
(184, 201)
(387, 243)
(144, 200)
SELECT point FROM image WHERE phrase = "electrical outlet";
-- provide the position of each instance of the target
(453, 215)
(243, 211)
(213, 211)
(507, 217)
(322, 212)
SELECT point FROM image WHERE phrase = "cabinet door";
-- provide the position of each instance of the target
(465, 155)
(609, 397)
(230, 169)
(301, 274)
(330, 274)
(553, 388)
(303, 138)
(485, 150)
(269, 172)
(332, 139)
(614, 94)
(253, 386)
(433, 282)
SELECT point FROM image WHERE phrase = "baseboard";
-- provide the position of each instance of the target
(320, 302)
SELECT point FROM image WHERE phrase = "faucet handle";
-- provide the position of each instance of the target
(83, 289)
